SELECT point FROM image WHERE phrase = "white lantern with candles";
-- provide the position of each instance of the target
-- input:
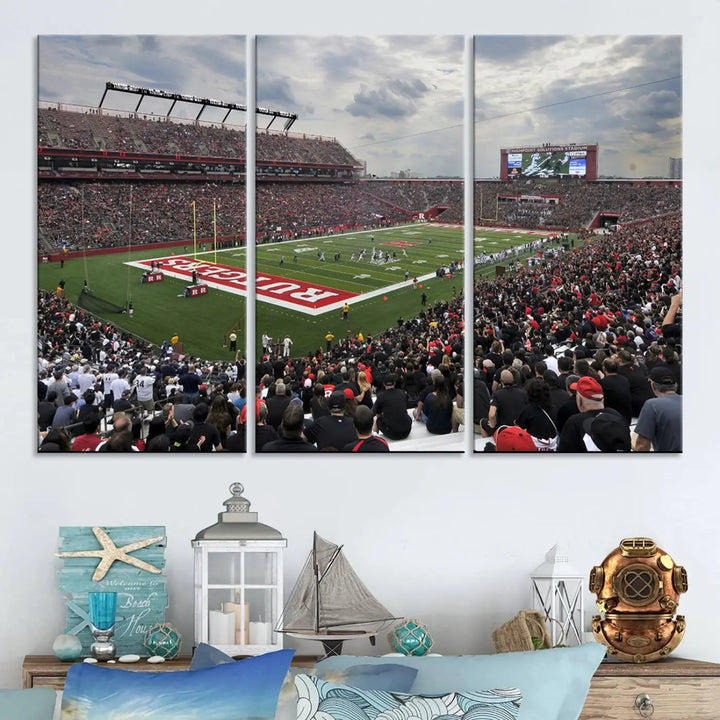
(238, 581)
(557, 592)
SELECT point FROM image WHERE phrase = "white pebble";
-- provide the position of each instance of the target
(110, 662)
(128, 658)
(90, 661)
(156, 659)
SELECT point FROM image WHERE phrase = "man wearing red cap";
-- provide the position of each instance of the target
(510, 438)
(590, 401)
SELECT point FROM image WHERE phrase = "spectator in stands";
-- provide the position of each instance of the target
(536, 417)
(201, 428)
(660, 423)
(616, 389)
(291, 439)
(438, 408)
(90, 439)
(390, 411)
(505, 405)
(46, 410)
(277, 403)
(57, 439)
(640, 390)
(590, 404)
(66, 414)
(334, 431)
(190, 383)
(366, 441)
(121, 438)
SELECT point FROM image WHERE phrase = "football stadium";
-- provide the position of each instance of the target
(360, 329)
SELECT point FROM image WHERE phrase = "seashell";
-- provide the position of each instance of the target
(156, 659)
(110, 662)
(128, 658)
(90, 661)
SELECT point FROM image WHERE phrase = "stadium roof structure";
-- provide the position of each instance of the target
(290, 118)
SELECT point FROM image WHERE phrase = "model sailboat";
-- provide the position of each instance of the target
(330, 603)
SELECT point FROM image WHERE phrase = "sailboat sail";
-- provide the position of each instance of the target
(330, 595)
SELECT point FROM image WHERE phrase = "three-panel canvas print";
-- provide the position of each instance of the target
(381, 243)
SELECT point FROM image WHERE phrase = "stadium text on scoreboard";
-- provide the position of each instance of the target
(548, 148)
(550, 161)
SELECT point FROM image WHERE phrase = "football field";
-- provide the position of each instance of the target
(301, 285)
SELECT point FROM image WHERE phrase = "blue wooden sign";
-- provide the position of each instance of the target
(128, 560)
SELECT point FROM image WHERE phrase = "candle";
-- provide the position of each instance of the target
(222, 628)
(236, 608)
(260, 633)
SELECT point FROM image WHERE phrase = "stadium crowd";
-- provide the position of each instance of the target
(96, 213)
(571, 352)
(578, 202)
(162, 211)
(158, 212)
(93, 130)
(603, 320)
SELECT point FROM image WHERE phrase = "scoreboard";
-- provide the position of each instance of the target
(549, 161)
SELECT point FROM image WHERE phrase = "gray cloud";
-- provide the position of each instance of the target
(412, 89)
(645, 113)
(276, 91)
(510, 48)
(394, 99)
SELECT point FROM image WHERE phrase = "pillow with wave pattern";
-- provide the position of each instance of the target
(319, 699)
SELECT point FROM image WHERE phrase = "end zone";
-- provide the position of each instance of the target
(311, 299)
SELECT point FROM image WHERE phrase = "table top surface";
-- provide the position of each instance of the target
(50, 663)
(670, 666)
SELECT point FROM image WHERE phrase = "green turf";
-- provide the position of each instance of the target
(201, 323)
(369, 316)
(204, 322)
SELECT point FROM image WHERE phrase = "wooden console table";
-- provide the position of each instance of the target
(669, 689)
(675, 688)
(48, 671)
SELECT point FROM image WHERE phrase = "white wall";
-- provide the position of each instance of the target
(450, 540)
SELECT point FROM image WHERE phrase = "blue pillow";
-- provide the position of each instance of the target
(30, 704)
(554, 682)
(322, 700)
(244, 689)
(393, 677)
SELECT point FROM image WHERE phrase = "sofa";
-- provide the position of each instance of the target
(550, 684)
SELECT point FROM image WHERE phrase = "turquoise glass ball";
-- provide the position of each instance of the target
(411, 638)
(162, 639)
(67, 648)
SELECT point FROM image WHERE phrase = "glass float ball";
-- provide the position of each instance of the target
(67, 648)
(162, 640)
(410, 638)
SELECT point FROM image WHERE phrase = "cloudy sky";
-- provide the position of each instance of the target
(74, 69)
(386, 98)
(638, 129)
(379, 95)
(396, 101)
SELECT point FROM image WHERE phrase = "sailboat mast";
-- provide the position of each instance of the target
(316, 575)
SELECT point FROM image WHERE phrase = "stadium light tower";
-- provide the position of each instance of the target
(142, 93)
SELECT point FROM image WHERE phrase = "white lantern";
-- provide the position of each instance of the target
(238, 581)
(557, 592)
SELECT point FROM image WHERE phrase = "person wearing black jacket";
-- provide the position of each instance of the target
(390, 411)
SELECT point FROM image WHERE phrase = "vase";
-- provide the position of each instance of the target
(103, 606)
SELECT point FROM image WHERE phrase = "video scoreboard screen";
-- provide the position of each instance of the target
(547, 164)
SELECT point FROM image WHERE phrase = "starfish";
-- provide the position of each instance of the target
(110, 553)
